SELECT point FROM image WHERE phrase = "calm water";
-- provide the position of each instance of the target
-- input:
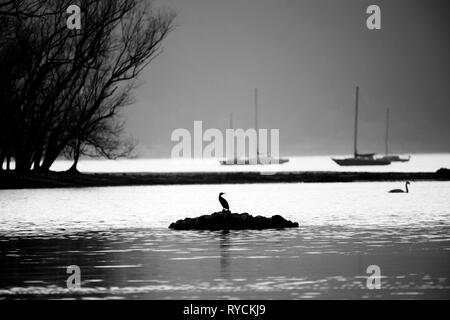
(418, 163)
(119, 238)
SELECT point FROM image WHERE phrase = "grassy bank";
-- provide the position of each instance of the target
(12, 180)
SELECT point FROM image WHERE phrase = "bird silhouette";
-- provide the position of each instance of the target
(224, 202)
(400, 190)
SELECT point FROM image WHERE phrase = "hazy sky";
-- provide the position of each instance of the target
(305, 57)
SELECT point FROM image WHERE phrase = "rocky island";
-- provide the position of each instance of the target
(232, 221)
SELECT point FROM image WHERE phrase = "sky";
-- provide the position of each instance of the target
(305, 57)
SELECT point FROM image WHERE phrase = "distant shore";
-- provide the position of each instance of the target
(12, 180)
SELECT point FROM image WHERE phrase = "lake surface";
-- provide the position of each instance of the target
(418, 163)
(119, 238)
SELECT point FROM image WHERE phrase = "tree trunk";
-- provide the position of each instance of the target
(51, 156)
(73, 168)
(2, 160)
(23, 164)
(76, 158)
(48, 161)
(37, 160)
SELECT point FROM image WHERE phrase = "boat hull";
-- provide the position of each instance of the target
(395, 159)
(361, 162)
(247, 162)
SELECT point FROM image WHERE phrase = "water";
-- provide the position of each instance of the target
(418, 163)
(119, 238)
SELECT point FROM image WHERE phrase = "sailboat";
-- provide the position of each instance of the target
(261, 159)
(234, 160)
(360, 159)
(387, 156)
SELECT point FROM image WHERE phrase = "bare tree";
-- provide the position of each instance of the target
(23, 8)
(75, 83)
(140, 37)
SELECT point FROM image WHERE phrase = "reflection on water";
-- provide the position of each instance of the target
(311, 262)
(224, 248)
(119, 239)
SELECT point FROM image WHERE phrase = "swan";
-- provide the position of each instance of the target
(400, 190)
(223, 202)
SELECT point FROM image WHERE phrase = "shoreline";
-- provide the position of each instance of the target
(33, 180)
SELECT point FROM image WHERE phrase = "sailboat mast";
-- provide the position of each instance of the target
(387, 132)
(356, 123)
(231, 120)
(256, 121)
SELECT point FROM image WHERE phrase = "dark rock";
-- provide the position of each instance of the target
(443, 173)
(232, 221)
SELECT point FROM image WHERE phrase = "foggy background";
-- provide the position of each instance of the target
(305, 57)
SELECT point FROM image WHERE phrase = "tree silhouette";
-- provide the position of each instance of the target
(63, 92)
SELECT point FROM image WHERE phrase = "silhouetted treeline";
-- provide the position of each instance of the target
(61, 90)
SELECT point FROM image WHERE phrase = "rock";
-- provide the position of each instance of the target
(232, 221)
(443, 173)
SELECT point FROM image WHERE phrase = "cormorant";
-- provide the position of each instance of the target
(224, 202)
(400, 190)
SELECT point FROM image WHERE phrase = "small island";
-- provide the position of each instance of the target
(34, 180)
(232, 221)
